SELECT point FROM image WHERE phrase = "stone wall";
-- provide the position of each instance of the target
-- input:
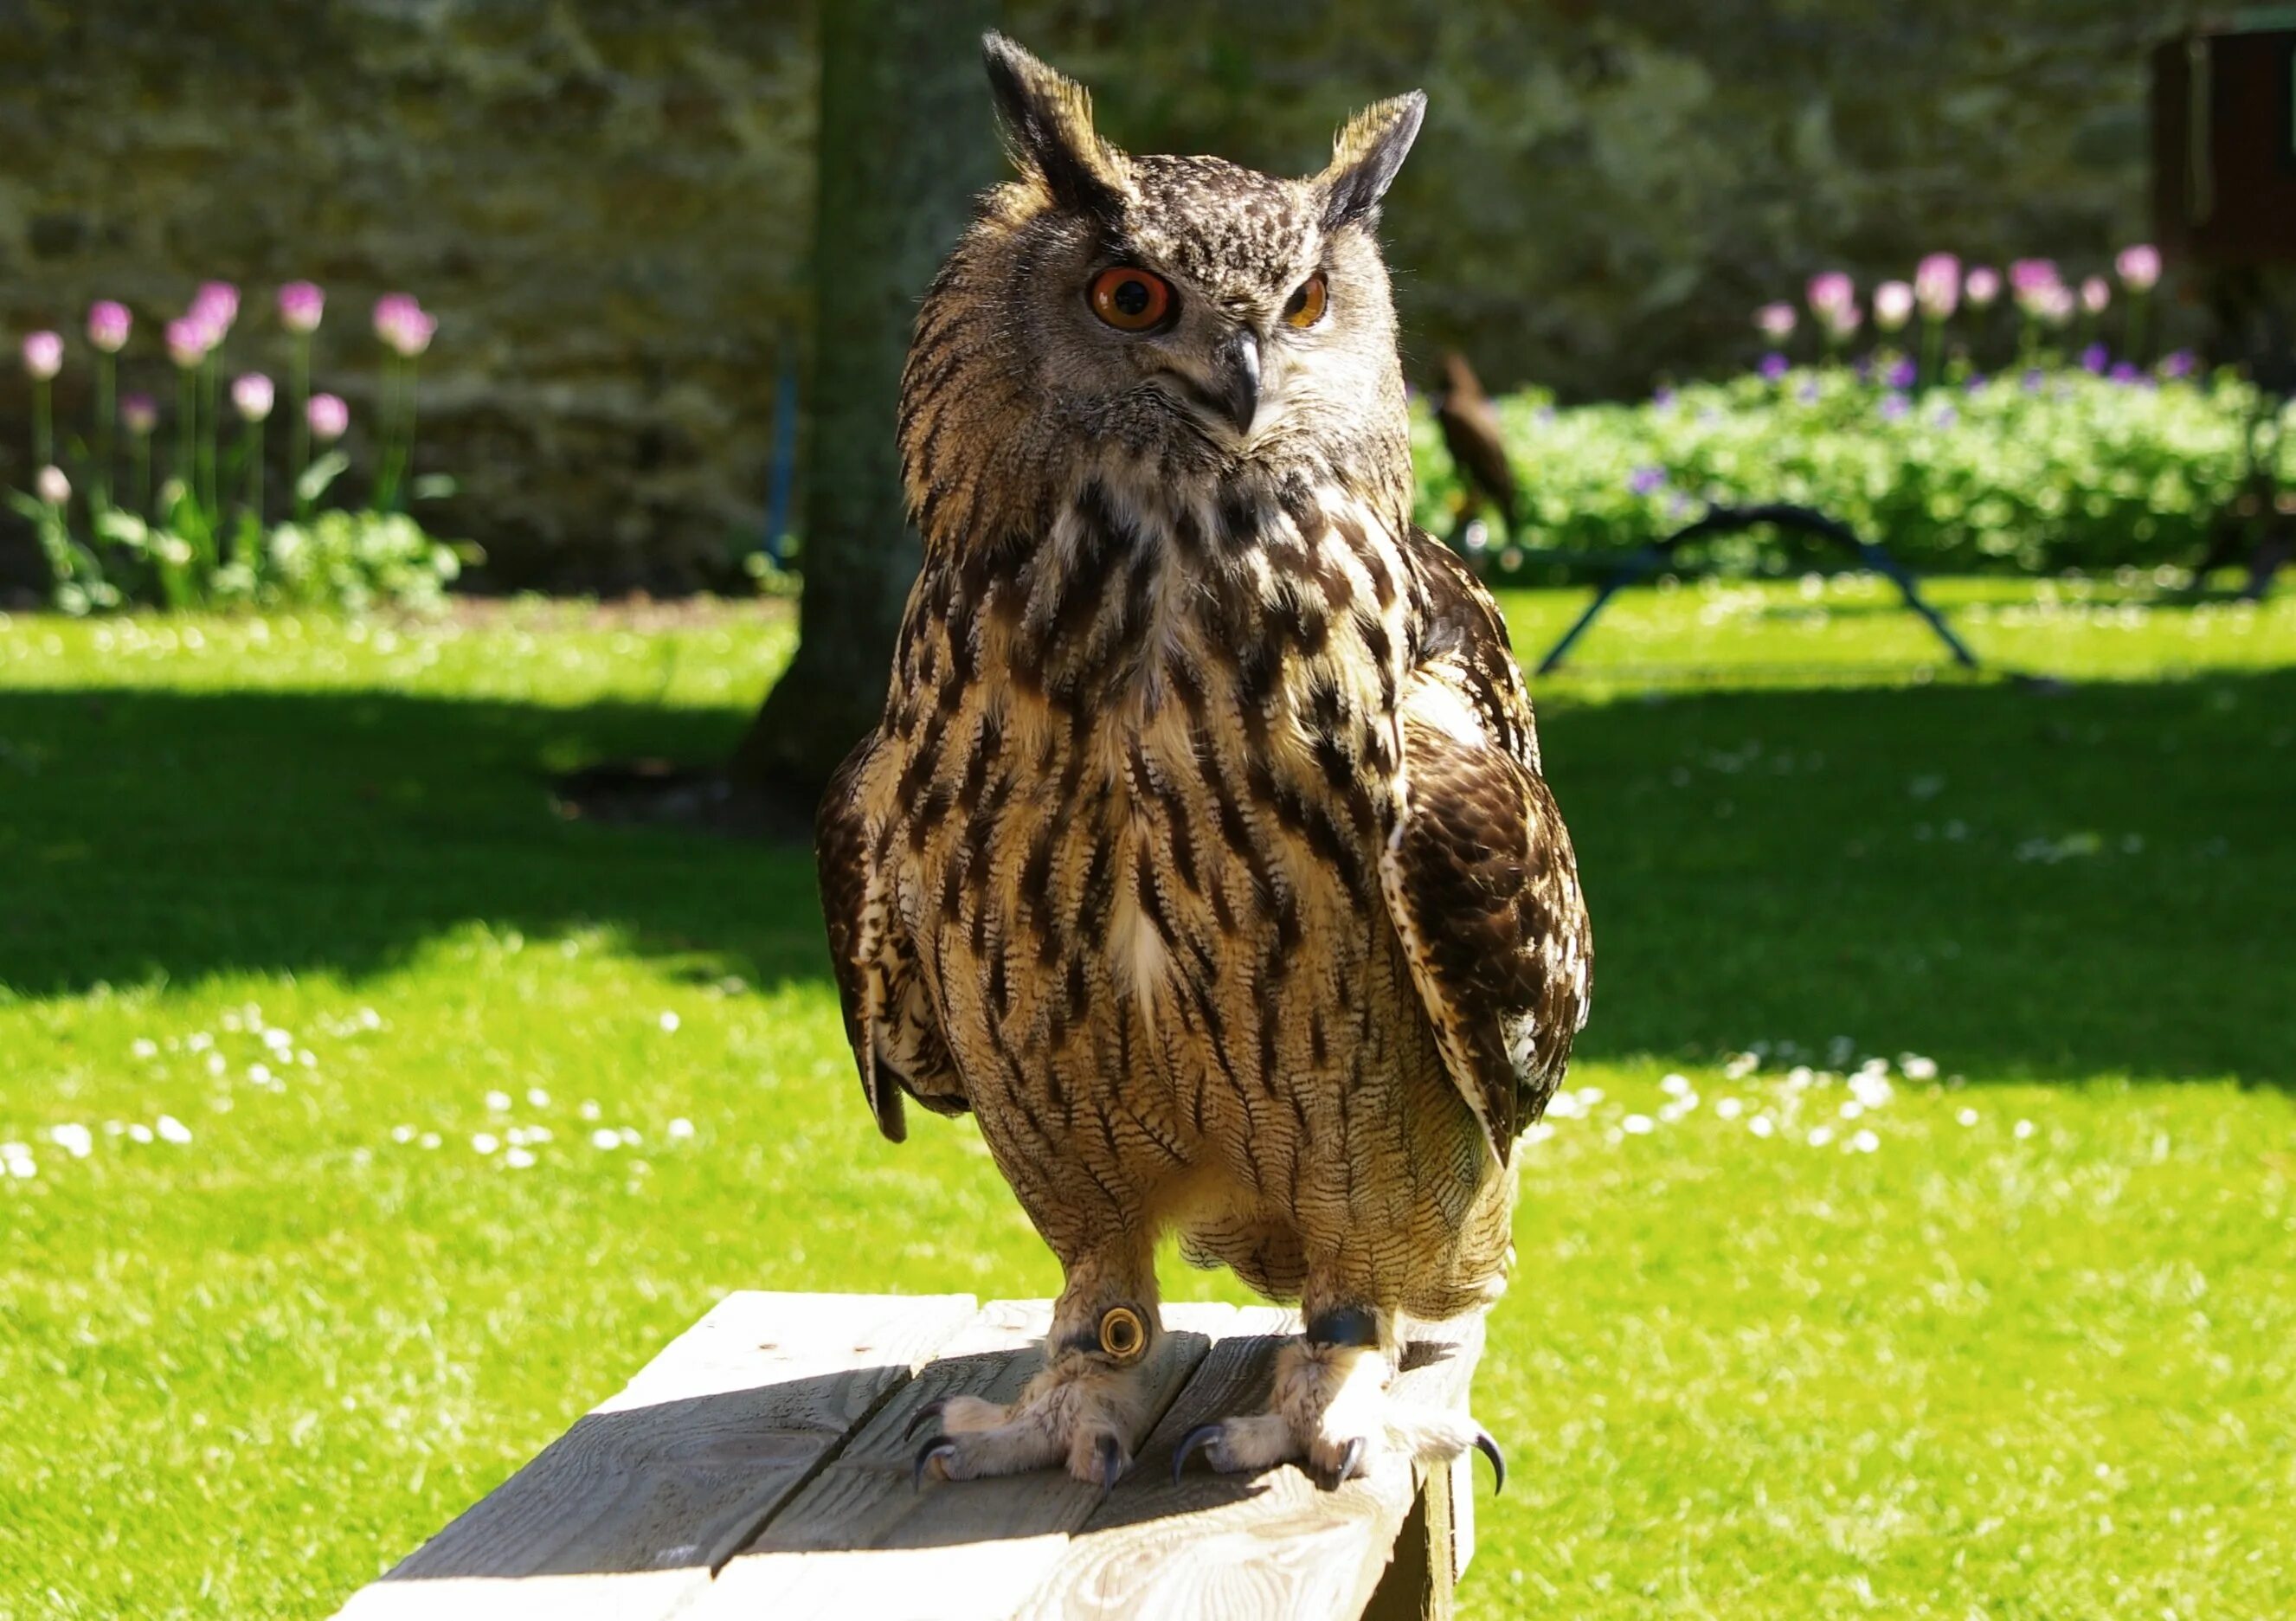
(607, 202)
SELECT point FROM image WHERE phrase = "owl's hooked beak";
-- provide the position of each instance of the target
(1236, 377)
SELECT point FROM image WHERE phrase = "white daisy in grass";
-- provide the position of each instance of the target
(172, 1130)
(76, 1141)
(606, 1137)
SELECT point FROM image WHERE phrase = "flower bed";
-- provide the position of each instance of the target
(2065, 457)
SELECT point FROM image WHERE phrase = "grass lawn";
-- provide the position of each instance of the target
(372, 1121)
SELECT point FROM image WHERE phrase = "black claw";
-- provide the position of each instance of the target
(1202, 1435)
(925, 1415)
(1351, 1464)
(1111, 1457)
(939, 1447)
(1489, 1448)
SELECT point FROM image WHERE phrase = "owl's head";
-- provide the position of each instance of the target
(1140, 319)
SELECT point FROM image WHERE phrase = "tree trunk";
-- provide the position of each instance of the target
(907, 139)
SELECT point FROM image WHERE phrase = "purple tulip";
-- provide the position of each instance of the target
(2095, 295)
(1774, 367)
(108, 325)
(2138, 268)
(1831, 290)
(1902, 374)
(1937, 285)
(251, 396)
(2122, 371)
(1894, 406)
(300, 306)
(189, 339)
(2094, 358)
(1646, 480)
(1982, 287)
(52, 486)
(1662, 397)
(138, 414)
(1776, 322)
(2177, 362)
(329, 417)
(44, 355)
(1893, 305)
(216, 306)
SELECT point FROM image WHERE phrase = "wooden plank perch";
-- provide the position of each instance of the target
(761, 1466)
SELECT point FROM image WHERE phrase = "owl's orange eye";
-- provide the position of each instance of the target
(1306, 306)
(1130, 299)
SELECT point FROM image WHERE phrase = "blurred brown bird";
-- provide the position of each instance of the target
(1470, 433)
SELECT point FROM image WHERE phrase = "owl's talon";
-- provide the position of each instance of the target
(1109, 1453)
(1202, 1435)
(1489, 1447)
(925, 1415)
(938, 1446)
(1350, 1461)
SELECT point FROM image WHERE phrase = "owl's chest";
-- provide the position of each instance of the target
(1157, 815)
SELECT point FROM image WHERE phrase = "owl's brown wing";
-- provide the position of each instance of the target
(1478, 870)
(890, 1017)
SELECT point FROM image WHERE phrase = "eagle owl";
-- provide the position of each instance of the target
(1202, 851)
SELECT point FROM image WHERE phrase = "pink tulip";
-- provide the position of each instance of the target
(251, 396)
(1776, 322)
(402, 324)
(1937, 285)
(137, 413)
(2054, 304)
(1831, 290)
(108, 325)
(300, 306)
(44, 355)
(216, 305)
(1983, 286)
(2140, 267)
(391, 311)
(52, 486)
(2095, 295)
(189, 339)
(1842, 320)
(2027, 274)
(329, 417)
(1893, 305)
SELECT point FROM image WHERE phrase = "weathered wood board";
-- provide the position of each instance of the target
(630, 1511)
(762, 1466)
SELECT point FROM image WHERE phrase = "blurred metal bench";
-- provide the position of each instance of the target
(761, 1466)
(1618, 572)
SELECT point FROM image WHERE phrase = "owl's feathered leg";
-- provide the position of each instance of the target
(1330, 1408)
(1088, 1406)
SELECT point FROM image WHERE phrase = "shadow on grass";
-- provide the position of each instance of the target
(2097, 882)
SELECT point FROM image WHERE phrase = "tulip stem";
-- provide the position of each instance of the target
(299, 431)
(105, 416)
(254, 454)
(43, 432)
(209, 431)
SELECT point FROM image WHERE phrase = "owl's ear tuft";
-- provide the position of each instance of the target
(1364, 156)
(1047, 121)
